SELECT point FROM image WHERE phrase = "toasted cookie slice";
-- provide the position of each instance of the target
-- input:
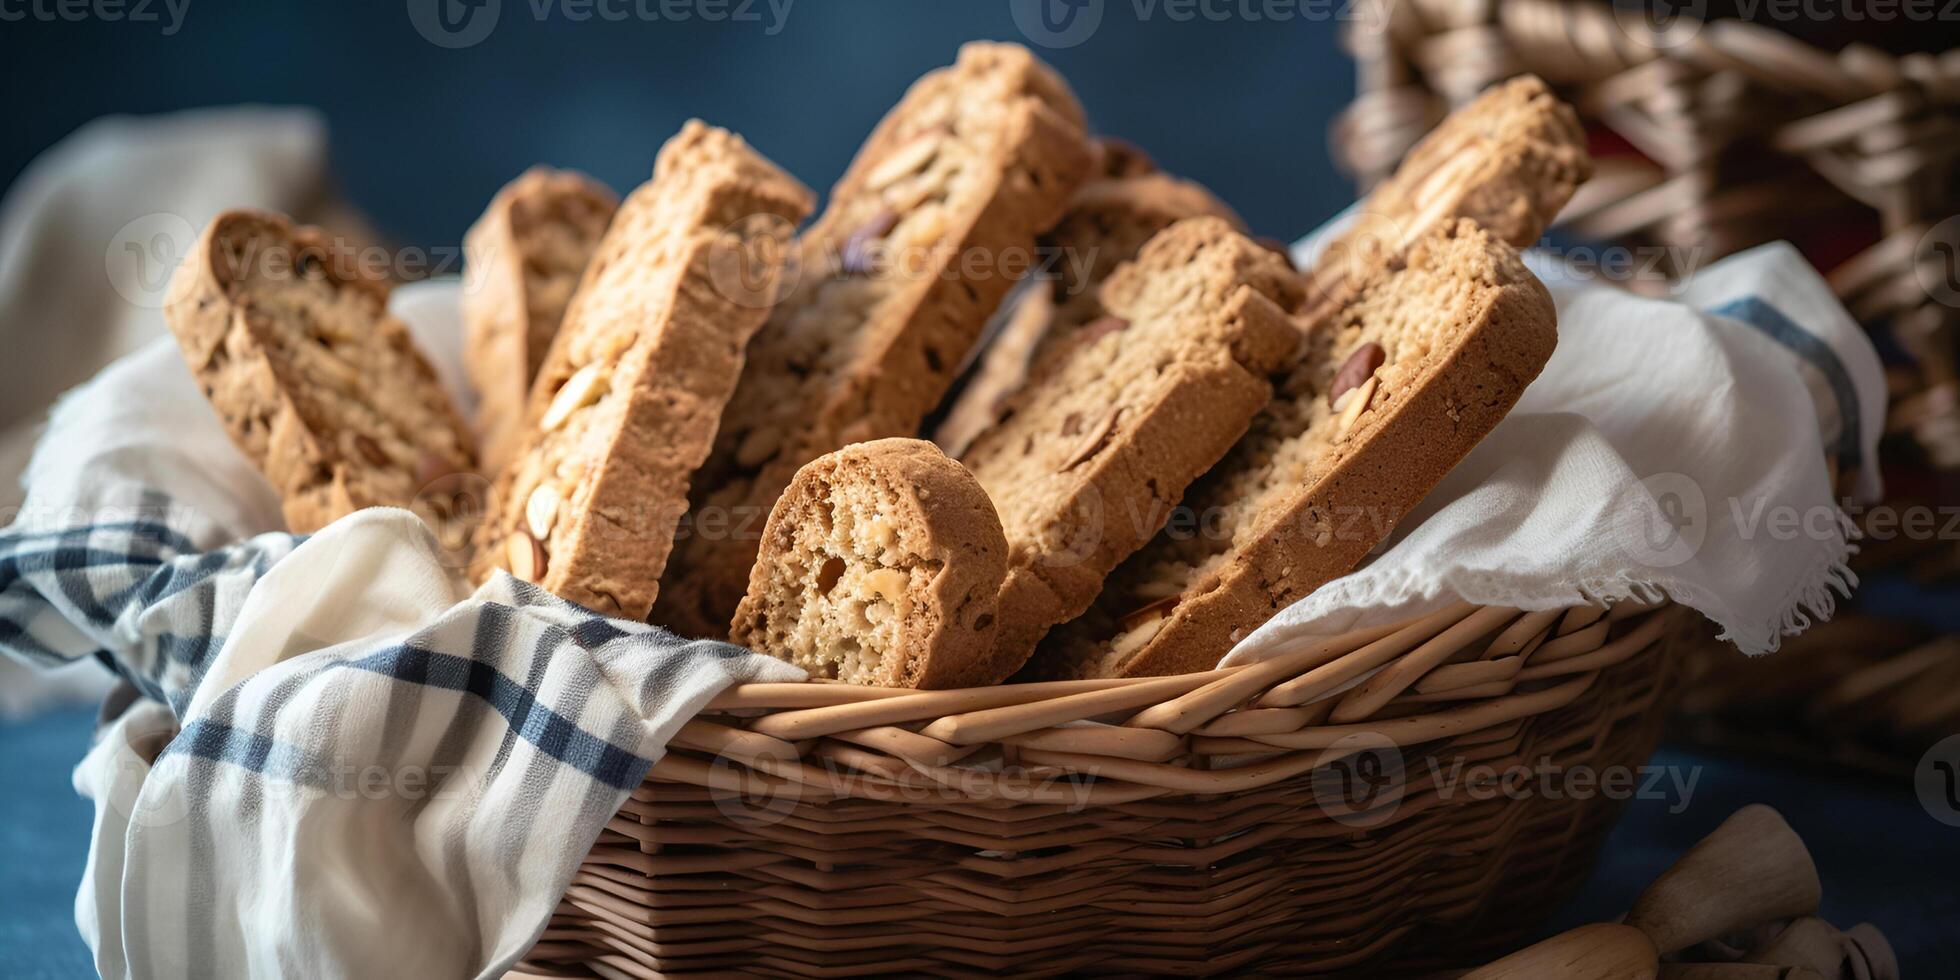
(1092, 455)
(1509, 159)
(291, 340)
(526, 254)
(627, 402)
(1391, 393)
(879, 565)
(922, 237)
(1106, 225)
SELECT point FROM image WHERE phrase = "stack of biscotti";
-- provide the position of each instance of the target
(292, 343)
(1106, 225)
(1088, 459)
(629, 398)
(881, 564)
(1416, 346)
(1395, 388)
(920, 241)
(526, 254)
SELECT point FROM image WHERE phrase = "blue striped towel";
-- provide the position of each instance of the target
(346, 761)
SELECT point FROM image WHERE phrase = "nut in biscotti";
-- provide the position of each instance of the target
(880, 564)
(1091, 456)
(628, 401)
(1449, 337)
(322, 389)
(526, 256)
(912, 255)
(1355, 371)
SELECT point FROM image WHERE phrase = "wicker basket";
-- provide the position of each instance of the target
(1704, 134)
(1300, 811)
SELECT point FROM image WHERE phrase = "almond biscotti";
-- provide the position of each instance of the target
(629, 397)
(1391, 392)
(1106, 225)
(879, 565)
(323, 390)
(1092, 455)
(922, 237)
(526, 254)
(1509, 160)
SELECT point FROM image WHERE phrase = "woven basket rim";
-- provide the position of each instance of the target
(1458, 671)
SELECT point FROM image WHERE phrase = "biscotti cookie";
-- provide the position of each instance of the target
(628, 400)
(291, 340)
(879, 565)
(1118, 158)
(1390, 393)
(1105, 226)
(1090, 458)
(526, 254)
(922, 237)
(1508, 160)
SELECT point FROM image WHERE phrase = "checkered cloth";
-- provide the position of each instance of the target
(344, 761)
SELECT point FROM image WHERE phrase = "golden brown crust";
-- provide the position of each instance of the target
(880, 564)
(974, 162)
(526, 254)
(629, 398)
(291, 341)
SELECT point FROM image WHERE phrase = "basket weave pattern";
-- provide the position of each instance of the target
(1197, 823)
(1708, 132)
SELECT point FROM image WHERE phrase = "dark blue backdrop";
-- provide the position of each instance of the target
(422, 135)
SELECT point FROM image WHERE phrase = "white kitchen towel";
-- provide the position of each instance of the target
(1673, 448)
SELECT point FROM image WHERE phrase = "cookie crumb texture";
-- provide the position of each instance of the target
(629, 398)
(1453, 332)
(879, 565)
(526, 256)
(319, 386)
(916, 249)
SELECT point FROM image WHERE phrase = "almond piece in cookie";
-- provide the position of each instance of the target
(923, 236)
(879, 565)
(629, 398)
(1094, 453)
(526, 254)
(324, 391)
(1427, 359)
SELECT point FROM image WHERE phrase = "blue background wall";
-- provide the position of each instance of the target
(422, 135)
